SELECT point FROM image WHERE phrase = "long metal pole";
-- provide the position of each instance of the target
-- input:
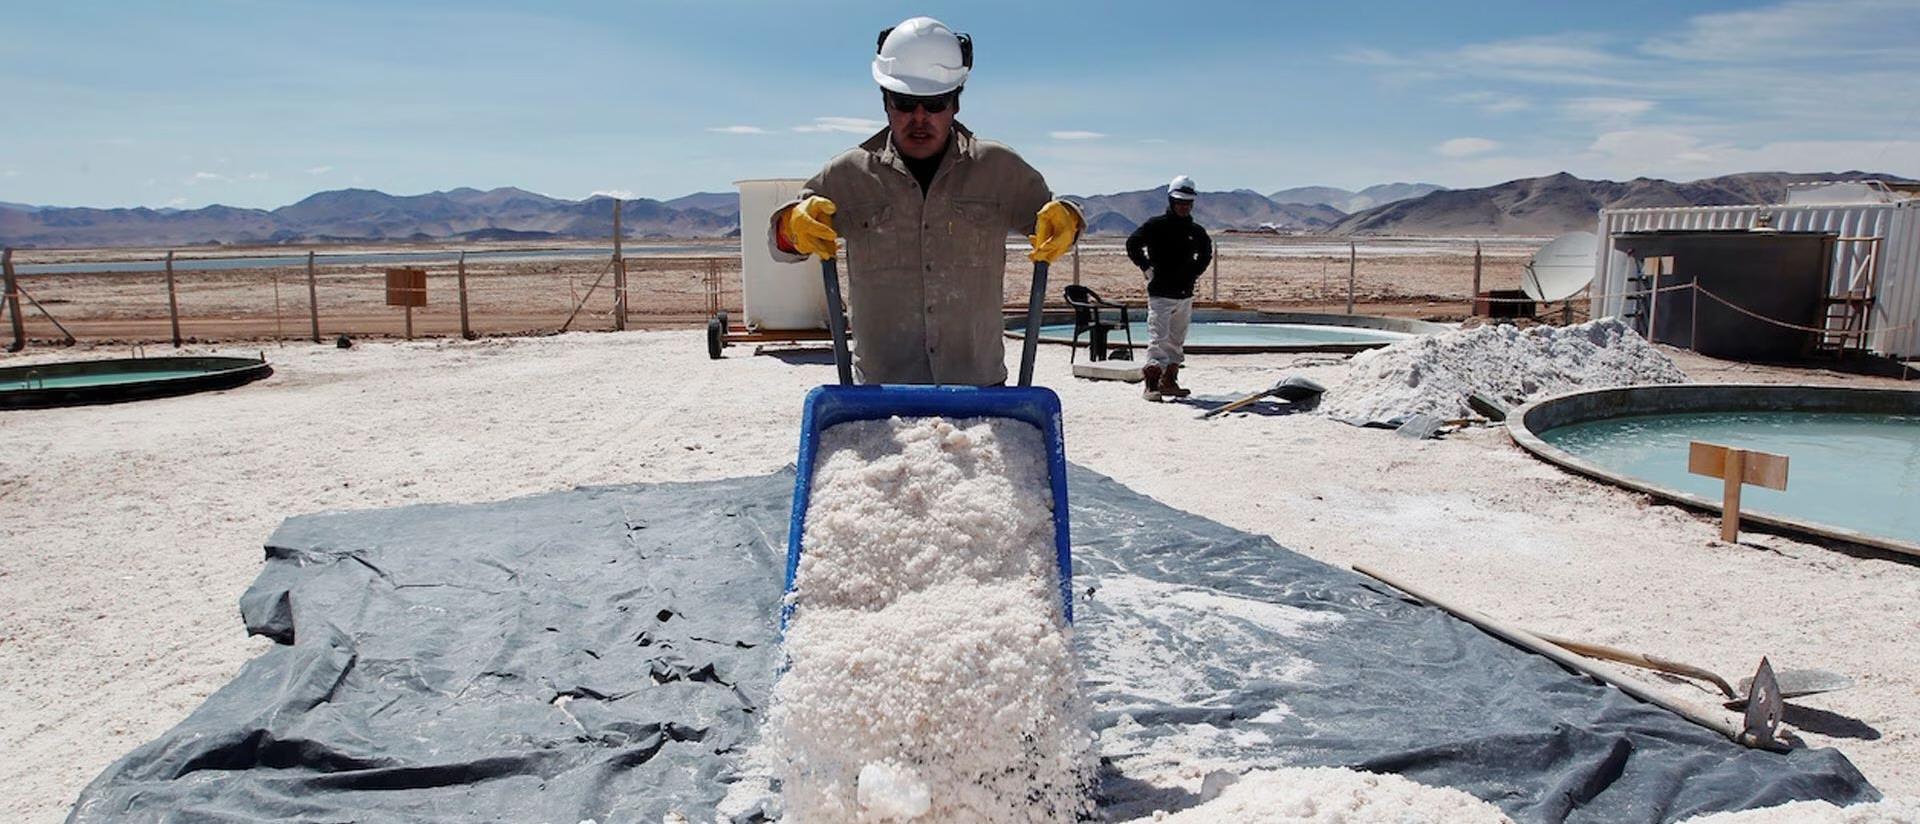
(1034, 300)
(12, 301)
(836, 322)
(173, 301)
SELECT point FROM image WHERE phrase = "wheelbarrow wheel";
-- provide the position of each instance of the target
(716, 336)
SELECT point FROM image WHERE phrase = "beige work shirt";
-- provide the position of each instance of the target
(925, 275)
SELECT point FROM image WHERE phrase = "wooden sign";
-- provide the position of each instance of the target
(407, 286)
(1736, 467)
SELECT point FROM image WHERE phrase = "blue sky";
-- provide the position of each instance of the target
(258, 103)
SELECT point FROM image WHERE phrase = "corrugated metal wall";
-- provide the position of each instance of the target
(1893, 261)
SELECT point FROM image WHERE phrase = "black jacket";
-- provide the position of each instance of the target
(1176, 249)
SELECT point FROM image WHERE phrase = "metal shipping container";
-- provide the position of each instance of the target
(1876, 253)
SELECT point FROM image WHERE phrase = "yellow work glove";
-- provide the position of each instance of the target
(1055, 229)
(809, 227)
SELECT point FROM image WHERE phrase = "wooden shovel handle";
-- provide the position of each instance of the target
(1639, 660)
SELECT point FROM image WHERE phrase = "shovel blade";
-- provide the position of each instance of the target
(1765, 707)
(1796, 683)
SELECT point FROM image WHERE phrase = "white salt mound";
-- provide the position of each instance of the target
(930, 670)
(1327, 795)
(1902, 810)
(1433, 374)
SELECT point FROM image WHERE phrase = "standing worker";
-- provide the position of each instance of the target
(1172, 252)
(925, 207)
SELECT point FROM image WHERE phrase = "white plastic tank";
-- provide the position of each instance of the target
(775, 295)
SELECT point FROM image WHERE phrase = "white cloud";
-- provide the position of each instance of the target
(621, 194)
(737, 130)
(1656, 152)
(1466, 147)
(206, 177)
(1825, 29)
(856, 125)
(319, 170)
(1075, 135)
(176, 203)
(1492, 102)
(1617, 111)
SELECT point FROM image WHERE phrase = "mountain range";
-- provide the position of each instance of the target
(1539, 206)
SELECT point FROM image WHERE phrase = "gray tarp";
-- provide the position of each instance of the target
(606, 654)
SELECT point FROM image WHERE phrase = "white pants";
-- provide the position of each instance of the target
(1167, 320)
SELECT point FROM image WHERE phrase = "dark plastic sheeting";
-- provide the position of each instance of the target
(606, 653)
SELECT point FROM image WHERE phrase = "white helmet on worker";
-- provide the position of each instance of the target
(922, 57)
(1182, 188)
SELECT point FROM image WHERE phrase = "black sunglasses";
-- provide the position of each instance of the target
(905, 103)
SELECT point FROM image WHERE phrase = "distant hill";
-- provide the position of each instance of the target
(350, 215)
(1533, 206)
(1350, 202)
(1561, 203)
(1242, 209)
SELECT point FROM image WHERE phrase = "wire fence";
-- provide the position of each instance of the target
(199, 296)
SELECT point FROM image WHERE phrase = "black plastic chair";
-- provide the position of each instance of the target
(1086, 320)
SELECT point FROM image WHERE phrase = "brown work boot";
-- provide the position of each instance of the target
(1150, 382)
(1168, 386)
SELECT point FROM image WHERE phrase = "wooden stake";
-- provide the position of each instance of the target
(619, 274)
(1737, 467)
(173, 301)
(11, 299)
(313, 298)
(466, 331)
(1473, 298)
(1352, 263)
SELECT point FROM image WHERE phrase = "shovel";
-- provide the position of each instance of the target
(1293, 390)
(1793, 683)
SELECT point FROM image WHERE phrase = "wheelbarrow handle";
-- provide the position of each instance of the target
(1034, 300)
(837, 320)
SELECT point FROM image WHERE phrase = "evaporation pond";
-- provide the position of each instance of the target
(1856, 471)
(99, 379)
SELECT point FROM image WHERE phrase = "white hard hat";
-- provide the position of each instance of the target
(1182, 188)
(922, 57)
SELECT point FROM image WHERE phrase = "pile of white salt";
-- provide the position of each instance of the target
(1434, 374)
(930, 671)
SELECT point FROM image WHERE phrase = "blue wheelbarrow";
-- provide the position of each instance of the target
(827, 406)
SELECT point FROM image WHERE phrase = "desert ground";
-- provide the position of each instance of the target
(128, 531)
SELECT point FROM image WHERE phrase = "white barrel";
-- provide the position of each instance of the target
(775, 295)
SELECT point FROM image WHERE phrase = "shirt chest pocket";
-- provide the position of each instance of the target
(873, 231)
(974, 234)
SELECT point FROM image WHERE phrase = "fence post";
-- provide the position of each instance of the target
(619, 275)
(466, 331)
(1352, 263)
(1475, 296)
(173, 301)
(1216, 273)
(313, 298)
(11, 298)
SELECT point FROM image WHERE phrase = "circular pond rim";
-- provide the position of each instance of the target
(1525, 423)
(1016, 325)
(214, 372)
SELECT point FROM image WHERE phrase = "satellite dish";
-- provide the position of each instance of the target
(1561, 268)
